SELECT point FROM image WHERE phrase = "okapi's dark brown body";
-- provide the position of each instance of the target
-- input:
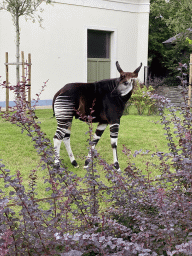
(104, 100)
(108, 103)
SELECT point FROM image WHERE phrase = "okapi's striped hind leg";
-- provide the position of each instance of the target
(57, 145)
(64, 111)
(114, 130)
(67, 143)
(96, 137)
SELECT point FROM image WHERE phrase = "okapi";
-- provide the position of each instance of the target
(76, 99)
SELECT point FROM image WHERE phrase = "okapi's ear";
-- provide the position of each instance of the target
(118, 67)
(138, 69)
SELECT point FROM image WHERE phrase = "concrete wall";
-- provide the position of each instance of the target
(59, 49)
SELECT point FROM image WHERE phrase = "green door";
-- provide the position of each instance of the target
(98, 61)
(98, 69)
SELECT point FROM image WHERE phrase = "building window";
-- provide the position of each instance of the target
(98, 43)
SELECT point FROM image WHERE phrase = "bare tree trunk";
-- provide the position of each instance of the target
(17, 46)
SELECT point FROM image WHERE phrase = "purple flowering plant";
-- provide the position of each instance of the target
(144, 215)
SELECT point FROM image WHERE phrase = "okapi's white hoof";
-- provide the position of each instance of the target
(56, 165)
(87, 161)
(116, 165)
(75, 164)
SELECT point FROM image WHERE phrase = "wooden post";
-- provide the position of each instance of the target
(23, 63)
(23, 67)
(190, 81)
(29, 79)
(7, 81)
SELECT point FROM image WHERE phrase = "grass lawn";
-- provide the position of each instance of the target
(136, 132)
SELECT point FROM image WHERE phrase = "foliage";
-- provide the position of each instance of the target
(142, 215)
(141, 99)
(18, 8)
(21, 8)
(178, 53)
(158, 33)
(188, 40)
(168, 19)
(179, 15)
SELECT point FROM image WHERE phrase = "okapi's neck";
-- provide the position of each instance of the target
(107, 85)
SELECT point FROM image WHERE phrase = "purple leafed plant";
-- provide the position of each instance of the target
(144, 215)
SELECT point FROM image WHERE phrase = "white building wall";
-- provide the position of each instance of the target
(59, 49)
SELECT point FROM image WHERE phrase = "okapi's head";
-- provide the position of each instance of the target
(126, 79)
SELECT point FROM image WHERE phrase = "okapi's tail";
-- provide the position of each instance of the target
(53, 103)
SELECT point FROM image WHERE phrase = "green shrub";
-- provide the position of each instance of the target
(141, 99)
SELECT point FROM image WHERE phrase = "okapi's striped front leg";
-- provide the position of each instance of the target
(98, 133)
(114, 130)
